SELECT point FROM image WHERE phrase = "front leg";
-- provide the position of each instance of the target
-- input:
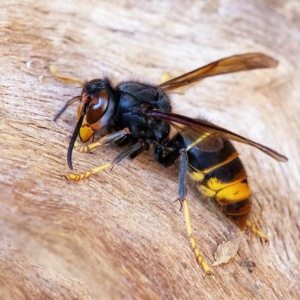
(64, 78)
(110, 138)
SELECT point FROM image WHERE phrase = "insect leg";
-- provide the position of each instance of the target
(166, 157)
(182, 192)
(136, 147)
(64, 79)
(110, 138)
(256, 231)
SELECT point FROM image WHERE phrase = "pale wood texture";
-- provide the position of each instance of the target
(119, 235)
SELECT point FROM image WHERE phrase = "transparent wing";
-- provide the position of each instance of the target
(236, 63)
(204, 140)
(202, 127)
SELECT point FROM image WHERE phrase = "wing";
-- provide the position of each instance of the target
(204, 140)
(236, 63)
(204, 126)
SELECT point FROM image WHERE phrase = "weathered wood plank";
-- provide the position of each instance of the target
(119, 235)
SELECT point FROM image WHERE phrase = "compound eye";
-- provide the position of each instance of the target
(97, 107)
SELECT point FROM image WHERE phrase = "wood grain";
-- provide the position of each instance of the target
(118, 235)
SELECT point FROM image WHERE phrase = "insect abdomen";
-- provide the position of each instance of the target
(221, 175)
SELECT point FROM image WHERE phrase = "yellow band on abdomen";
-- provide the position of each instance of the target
(216, 184)
(234, 193)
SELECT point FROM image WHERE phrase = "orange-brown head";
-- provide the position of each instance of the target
(95, 111)
(95, 106)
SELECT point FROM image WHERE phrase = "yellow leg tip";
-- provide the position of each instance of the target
(200, 259)
(256, 231)
(197, 253)
(62, 78)
(263, 236)
(206, 268)
(71, 176)
(81, 148)
(77, 177)
(80, 176)
(86, 148)
(52, 69)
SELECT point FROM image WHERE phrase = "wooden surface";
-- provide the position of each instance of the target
(119, 235)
